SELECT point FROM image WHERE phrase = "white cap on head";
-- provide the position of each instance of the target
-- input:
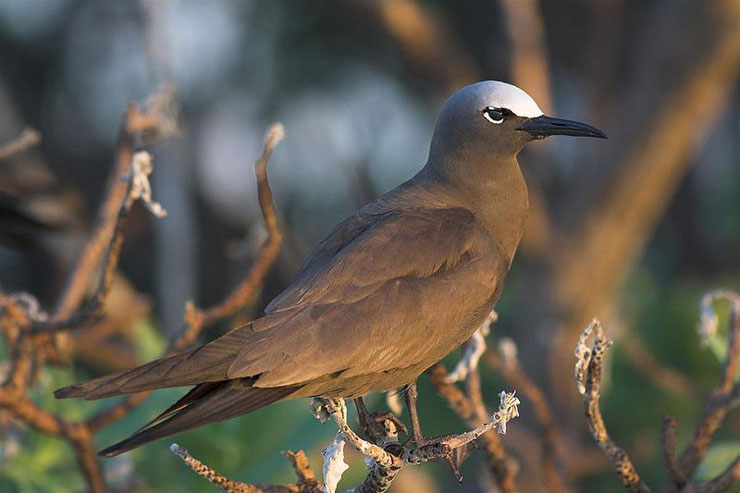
(502, 95)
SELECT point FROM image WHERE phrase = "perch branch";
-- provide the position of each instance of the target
(390, 458)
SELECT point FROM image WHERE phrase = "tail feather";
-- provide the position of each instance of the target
(204, 404)
(207, 363)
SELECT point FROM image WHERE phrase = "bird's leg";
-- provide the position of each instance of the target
(411, 396)
(362, 413)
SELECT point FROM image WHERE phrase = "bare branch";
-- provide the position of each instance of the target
(670, 429)
(588, 377)
(298, 459)
(506, 363)
(497, 461)
(138, 188)
(195, 319)
(726, 396)
(28, 138)
(157, 119)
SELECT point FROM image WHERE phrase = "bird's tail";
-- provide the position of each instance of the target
(205, 403)
(207, 363)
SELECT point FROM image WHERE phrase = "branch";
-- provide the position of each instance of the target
(265, 257)
(588, 377)
(306, 482)
(28, 138)
(157, 119)
(195, 319)
(724, 397)
(506, 363)
(390, 457)
(498, 463)
(32, 336)
(137, 188)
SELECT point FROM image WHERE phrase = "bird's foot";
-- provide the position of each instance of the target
(382, 427)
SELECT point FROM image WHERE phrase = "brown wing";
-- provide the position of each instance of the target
(379, 283)
(393, 295)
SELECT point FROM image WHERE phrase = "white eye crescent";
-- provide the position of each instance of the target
(494, 115)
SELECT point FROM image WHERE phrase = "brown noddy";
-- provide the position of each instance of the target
(391, 290)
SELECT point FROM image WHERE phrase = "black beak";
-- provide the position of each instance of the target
(544, 126)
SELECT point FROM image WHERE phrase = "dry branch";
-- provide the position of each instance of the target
(195, 319)
(724, 397)
(306, 482)
(468, 409)
(34, 338)
(28, 138)
(588, 378)
(506, 363)
(33, 331)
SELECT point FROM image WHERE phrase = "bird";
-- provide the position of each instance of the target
(391, 290)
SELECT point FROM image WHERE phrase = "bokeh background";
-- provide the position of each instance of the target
(633, 230)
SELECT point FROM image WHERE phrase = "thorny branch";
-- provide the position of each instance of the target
(34, 337)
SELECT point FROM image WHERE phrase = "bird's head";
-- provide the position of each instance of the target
(492, 118)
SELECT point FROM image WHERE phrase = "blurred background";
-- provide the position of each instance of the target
(633, 230)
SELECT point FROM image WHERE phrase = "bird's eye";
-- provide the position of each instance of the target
(494, 115)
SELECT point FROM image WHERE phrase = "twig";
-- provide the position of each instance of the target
(726, 396)
(306, 482)
(196, 320)
(506, 363)
(588, 377)
(157, 118)
(499, 464)
(670, 429)
(33, 337)
(265, 257)
(28, 138)
(137, 188)
(473, 350)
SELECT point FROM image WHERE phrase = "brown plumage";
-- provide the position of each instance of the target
(391, 291)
